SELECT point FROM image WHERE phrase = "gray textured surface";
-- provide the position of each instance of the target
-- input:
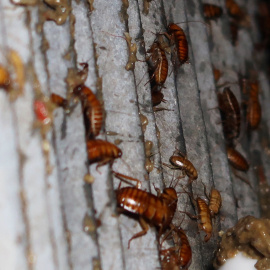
(51, 208)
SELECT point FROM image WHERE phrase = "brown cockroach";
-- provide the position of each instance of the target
(158, 62)
(234, 10)
(264, 23)
(177, 34)
(150, 209)
(234, 28)
(91, 107)
(185, 252)
(205, 218)
(102, 152)
(215, 202)
(4, 78)
(170, 259)
(204, 215)
(237, 160)
(157, 97)
(254, 112)
(182, 163)
(211, 11)
(217, 73)
(178, 256)
(59, 101)
(230, 114)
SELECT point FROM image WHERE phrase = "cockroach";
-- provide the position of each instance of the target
(234, 10)
(182, 163)
(243, 82)
(102, 152)
(217, 73)
(234, 28)
(178, 256)
(204, 215)
(211, 11)
(239, 163)
(59, 101)
(91, 107)
(264, 193)
(264, 23)
(158, 62)
(254, 112)
(215, 202)
(237, 160)
(205, 218)
(155, 210)
(157, 97)
(185, 252)
(230, 114)
(4, 78)
(170, 259)
(177, 34)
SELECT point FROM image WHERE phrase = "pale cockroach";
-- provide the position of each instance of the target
(205, 218)
(215, 202)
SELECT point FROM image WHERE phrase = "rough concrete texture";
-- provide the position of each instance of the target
(54, 219)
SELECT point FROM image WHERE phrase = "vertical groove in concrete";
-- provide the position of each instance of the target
(203, 66)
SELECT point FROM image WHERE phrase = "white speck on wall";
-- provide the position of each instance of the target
(239, 262)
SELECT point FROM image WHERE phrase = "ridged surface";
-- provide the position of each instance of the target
(55, 217)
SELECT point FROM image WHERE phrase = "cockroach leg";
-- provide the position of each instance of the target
(124, 178)
(145, 228)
